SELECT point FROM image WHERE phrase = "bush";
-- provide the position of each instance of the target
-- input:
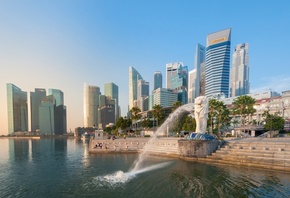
(146, 135)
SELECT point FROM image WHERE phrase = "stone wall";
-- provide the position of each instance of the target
(197, 148)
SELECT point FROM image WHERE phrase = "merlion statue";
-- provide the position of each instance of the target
(201, 113)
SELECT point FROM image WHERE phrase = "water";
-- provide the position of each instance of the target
(64, 168)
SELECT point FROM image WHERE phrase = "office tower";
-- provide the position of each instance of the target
(192, 78)
(179, 82)
(202, 79)
(171, 69)
(35, 101)
(17, 109)
(143, 93)
(91, 105)
(112, 90)
(164, 97)
(134, 76)
(157, 81)
(239, 82)
(218, 63)
(60, 111)
(47, 115)
(106, 112)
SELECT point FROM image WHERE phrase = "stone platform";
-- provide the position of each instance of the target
(270, 153)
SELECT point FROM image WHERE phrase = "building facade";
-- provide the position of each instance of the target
(47, 115)
(112, 90)
(134, 76)
(179, 83)
(106, 112)
(164, 97)
(17, 109)
(157, 80)
(217, 73)
(35, 101)
(171, 70)
(91, 105)
(239, 81)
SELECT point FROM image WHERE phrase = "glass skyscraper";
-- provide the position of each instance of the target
(91, 105)
(171, 70)
(35, 101)
(17, 109)
(47, 115)
(218, 46)
(60, 111)
(157, 81)
(239, 83)
(179, 83)
(112, 90)
(134, 76)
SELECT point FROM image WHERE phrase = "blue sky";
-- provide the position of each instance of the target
(62, 44)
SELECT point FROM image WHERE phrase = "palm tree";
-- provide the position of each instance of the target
(157, 113)
(135, 115)
(218, 111)
(244, 105)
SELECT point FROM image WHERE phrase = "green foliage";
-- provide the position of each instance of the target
(176, 105)
(158, 114)
(219, 115)
(146, 123)
(189, 124)
(177, 124)
(273, 121)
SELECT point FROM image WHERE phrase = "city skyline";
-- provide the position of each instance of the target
(63, 45)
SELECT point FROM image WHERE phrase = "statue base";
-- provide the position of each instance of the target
(200, 136)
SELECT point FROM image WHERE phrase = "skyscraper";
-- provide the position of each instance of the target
(112, 91)
(60, 111)
(17, 109)
(171, 69)
(134, 76)
(218, 63)
(47, 114)
(106, 112)
(179, 83)
(157, 81)
(143, 92)
(164, 97)
(35, 101)
(194, 81)
(239, 82)
(91, 105)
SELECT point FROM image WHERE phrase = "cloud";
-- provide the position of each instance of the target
(275, 83)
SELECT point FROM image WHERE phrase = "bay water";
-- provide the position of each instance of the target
(61, 167)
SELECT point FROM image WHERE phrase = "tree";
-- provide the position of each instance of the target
(219, 112)
(244, 106)
(176, 105)
(189, 124)
(273, 121)
(146, 123)
(158, 113)
(135, 115)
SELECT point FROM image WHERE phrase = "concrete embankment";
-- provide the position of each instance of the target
(269, 153)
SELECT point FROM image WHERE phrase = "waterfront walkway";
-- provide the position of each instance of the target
(270, 153)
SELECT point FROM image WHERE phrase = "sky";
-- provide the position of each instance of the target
(62, 44)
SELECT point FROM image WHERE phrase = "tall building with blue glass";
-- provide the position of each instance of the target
(17, 109)
(179, 83)
(218, 46)
(134, 76)
(112, 90)
(35, 101)
(157, 80)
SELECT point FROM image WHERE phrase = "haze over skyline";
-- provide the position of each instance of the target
(63, 44)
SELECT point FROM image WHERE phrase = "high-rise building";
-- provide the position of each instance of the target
(134, 76)
(179, 83)
(164, 97)
(47, 114)
(106, 112)
(217, 73)
(35, 101)
(192, 85)
(17, 109)
(171, 70)
(202, 79)
(60, 111)
(142, 95)
(91, 105)
(239, 82)
(157, 81)
(112, 91)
